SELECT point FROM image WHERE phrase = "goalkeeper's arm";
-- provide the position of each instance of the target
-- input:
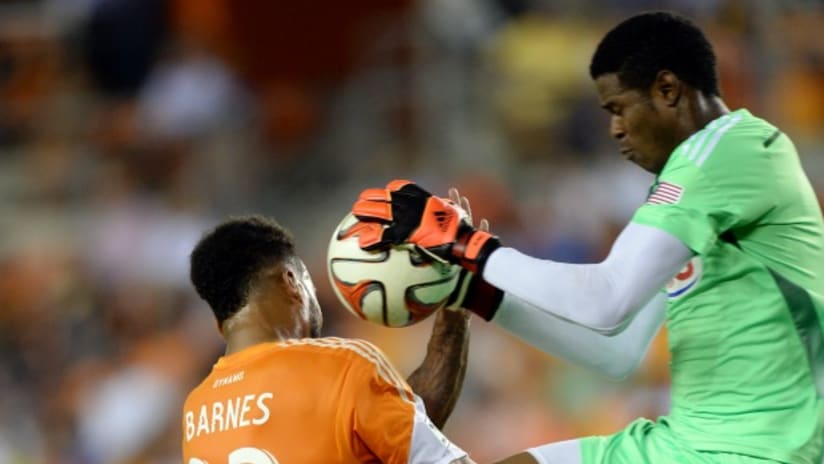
(546, 302)
(602, 297)
(615, 356)
(593, 315)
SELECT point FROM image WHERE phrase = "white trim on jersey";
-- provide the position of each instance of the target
(700, 137)
(700, 145)
(716, 138)
(562, 452)
(429, 445)
(397, 380)
(367, 351)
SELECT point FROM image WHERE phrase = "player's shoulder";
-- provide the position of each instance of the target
(357, 350)
(703, 144)
(358, 356)
(723, 144)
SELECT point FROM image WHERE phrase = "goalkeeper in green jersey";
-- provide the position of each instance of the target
(728, 249)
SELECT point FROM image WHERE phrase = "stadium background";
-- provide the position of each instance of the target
(128, 127)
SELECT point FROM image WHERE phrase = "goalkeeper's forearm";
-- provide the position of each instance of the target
(614, 356)
(601, 297)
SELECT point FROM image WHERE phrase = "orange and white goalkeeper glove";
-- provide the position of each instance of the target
(410, 214)
(405, 213)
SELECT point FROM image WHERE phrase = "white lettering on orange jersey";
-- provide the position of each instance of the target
(236, 377)
(234, 413)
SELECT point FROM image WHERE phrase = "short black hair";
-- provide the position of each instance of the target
(226, 261)
(641, 46)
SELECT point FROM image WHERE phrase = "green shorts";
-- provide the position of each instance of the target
(647, 442)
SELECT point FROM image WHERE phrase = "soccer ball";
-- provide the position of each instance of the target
(397, 287)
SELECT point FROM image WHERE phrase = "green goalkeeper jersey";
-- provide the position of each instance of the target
(745, 315)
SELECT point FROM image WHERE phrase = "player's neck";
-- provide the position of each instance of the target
(248, 327)
(239, 341)
(705, 109)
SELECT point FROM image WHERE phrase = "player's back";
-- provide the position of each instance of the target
(299, 401)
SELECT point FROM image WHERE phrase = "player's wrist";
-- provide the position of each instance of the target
(482, 298)
(475, 295)
(472, 248)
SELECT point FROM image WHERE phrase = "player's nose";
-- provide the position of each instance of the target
(616, 128)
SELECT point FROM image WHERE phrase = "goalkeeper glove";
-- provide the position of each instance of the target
(410, 214)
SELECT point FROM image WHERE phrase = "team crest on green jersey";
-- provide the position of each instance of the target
(686, 279)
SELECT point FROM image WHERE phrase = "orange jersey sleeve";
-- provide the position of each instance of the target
(326, 400)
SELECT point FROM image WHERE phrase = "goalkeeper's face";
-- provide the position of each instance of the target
(643, 123)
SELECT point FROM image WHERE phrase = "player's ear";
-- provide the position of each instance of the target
(667, 88)
(291, 284)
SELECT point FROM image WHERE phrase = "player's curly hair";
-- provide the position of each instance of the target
(226, 261)
(641, 46)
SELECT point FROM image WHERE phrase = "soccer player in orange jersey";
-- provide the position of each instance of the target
(281, 394)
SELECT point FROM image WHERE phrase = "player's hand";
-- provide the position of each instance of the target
(410, 214)
(473, 293)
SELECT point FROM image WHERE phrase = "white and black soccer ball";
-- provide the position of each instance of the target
(397, 287)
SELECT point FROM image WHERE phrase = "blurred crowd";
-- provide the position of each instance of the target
(129, 127)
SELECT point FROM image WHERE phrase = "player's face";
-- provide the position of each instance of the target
(311, 315)
(639, 122)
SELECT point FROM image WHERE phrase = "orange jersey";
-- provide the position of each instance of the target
(314, 401)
